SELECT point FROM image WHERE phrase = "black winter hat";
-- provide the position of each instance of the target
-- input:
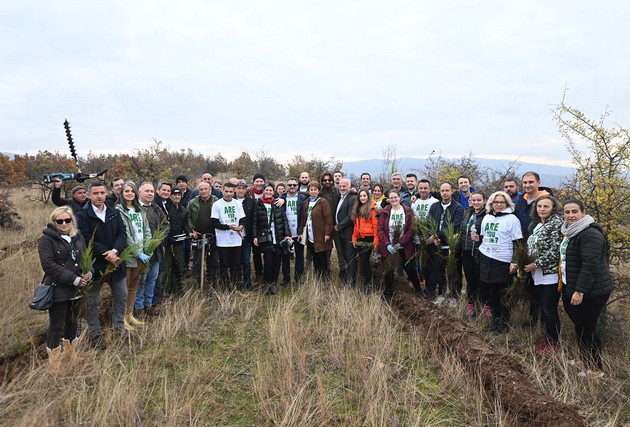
(181, 178)
(259, 175)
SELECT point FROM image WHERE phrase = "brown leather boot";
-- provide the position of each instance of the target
(54, 360)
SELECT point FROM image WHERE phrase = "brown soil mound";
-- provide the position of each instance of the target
(12, 365)
(501, 374)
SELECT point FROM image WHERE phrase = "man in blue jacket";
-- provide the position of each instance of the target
(105, 225)
(293, 203)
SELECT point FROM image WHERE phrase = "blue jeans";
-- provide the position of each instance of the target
(246, 251)
(146, 288)
(548, 297)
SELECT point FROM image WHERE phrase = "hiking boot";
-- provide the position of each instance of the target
(491, 327)
(502, 327)
(70, 353)
(470, 310)
(551, 348)
(439, 300)
(541, 344)
(98, 343)
(129, 319)
(152, 311)
(487, 311)
(273, 289)
(54, 360)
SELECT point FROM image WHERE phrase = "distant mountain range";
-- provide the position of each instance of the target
(551, 176)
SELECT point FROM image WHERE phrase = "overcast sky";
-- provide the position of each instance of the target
(332, 78)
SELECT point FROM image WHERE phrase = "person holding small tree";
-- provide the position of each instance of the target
(500, 232)
(365, 234)
(544, 247)
(395, 236)
(139, 234)
(60, 250)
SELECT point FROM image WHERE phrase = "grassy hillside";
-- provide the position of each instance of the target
(314, 355)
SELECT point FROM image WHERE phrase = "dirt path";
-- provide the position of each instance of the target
(500, 373)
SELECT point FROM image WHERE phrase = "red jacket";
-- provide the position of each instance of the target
(406, 239)
(366, 228)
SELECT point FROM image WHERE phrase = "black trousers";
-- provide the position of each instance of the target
(548, 297)
(63, 317)
(299, 263)
(272, 260)
(364, 259)
(585, 317)
(493, 294)
(350, 259)
(230, 266)
(410, 269)
(470, 264)
(212, 263)
(320, 261)
(436, 274)
(258, 261)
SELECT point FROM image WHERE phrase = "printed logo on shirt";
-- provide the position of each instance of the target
(292, 206)
(490, 232)
(397, 219)
(230, 212)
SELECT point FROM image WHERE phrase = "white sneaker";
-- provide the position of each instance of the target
(439, 300)
(452, 302)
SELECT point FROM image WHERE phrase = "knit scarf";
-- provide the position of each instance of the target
(313, 199)
(572, 230)
(268, 201)
(256, 191)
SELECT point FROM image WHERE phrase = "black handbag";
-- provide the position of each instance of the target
(42, 297)
(267, 237)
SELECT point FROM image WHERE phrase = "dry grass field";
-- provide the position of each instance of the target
(314, 355)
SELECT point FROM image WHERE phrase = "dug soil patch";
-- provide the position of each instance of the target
(502, 375)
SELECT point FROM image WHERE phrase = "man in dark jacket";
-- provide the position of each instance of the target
(105, 225)
(293, 202)
(79, 196)
(510, 186)
(200, 223)
(344, 227)
(179, 230)
(331, 194)
(247, 202)
(157, 219)
(116, 185)
(446, 214)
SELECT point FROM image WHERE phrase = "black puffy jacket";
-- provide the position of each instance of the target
(587, 264)
(178, 222)
(60, 261)
(260, 223)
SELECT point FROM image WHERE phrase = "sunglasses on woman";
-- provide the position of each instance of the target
(61, 221)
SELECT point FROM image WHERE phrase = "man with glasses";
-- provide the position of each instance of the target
(294, 202)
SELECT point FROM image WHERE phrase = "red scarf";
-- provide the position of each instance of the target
(257, 191)
(268, 201)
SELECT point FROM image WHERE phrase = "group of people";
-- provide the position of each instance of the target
(289, 226)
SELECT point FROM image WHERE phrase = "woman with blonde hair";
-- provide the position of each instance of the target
(138, 232)
(60, 249)
(365, 235)
(500, 230)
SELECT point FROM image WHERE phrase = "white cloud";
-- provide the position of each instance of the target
(346, 78)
